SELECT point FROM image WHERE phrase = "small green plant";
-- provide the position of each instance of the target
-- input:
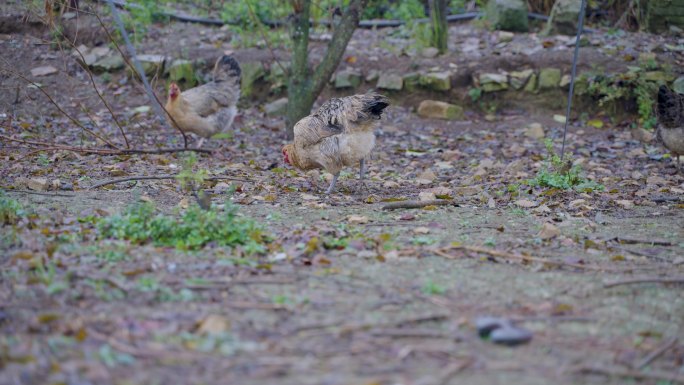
(432, 288)
(189, 231)
(10, 210)
(561, 175)
(475, 93)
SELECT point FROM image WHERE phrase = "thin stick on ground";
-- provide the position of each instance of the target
(516, 257)
(634, 281)
(141, 80)
(46, 146)
(418, 204)
(61, 110)
(619, 372)
(45, 194)
(159, 177)
(656, 353)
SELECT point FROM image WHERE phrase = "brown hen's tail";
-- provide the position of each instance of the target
(227, 69)
(670, 108)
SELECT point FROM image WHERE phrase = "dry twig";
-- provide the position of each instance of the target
(619, 372)
(418, 204)
(634, 281)
(159, 177)
(667, 345)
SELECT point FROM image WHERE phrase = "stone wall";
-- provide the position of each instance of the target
(661, 14)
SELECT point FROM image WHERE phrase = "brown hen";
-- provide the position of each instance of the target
(671, 121)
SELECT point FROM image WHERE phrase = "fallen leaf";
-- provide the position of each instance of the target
(357, 219)
(549, 231)
(213, 324)
(526, 203)
(43, 71)
(421, 230)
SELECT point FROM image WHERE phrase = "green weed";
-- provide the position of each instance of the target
(561, 175)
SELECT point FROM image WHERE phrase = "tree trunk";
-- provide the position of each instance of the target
(305, 85)
(438, 16)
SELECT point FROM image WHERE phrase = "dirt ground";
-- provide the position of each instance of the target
(346, 293)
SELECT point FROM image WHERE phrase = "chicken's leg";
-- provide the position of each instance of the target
(332, 184)
(200, 143)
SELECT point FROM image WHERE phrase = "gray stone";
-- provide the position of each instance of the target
(535, 131)
(549, 78)
(678, 85)
(532, 84)
(436, 81)
(518, 79)
(392, 82)
(38, 184)
(564, 17)
(347, 79)
(434, 109)
(510, 335)
(43, 71)
(110, 63)
(429, 52)
(505, 36)
(276, 107)
(565, 81)
(507, 15)
(182, 70)
(152, 64)
(493, 82)
(251, 73)
(411, 81)
(372, 76)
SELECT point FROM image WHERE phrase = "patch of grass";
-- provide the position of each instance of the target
(10, 210)
(191, 230)
(432, 288)
(562, 175)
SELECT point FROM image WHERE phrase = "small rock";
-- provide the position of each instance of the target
(357, 219)
(491, 82)
(563, 18)
(535, 131)
(625, 204)
(276, 107)
(678, 85)
(549, 231)
(213, 324)
(110, 63)
(43, 71)
(486, 325)
(559, 118)
(436, 81)
(429, 52)
(526, 203)
(421, 230)
(532, 85)
(549, 78)
(426, 196)
(392, 82)
(641, 135)
(505, 36)
(565, 81)
(510, 335)
(182, 70)
(372, 76)
(152, 64)
(518, 79)
(38, 184)
(507, 15)
(390, 184)
(347, 79)
(427, 175)
(67, 186)
(56, 184)
(433, 109)
(411, 81)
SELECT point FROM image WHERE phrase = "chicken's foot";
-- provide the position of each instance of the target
(332, 184)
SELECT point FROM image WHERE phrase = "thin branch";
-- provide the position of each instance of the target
(37, 193)
(515, 257)
(418, 204)
(619, 372)
(634, 281)
(71, 118)
(140, 79)
(97, 91)
(263, 34)
(158, 177)
(46, 146)
(667, 345)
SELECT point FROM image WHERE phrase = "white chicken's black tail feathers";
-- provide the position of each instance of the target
(227, 68)
(670, 107)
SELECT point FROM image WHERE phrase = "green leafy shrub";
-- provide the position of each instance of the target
(561, 175)
(10, 210)
(192, 230)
